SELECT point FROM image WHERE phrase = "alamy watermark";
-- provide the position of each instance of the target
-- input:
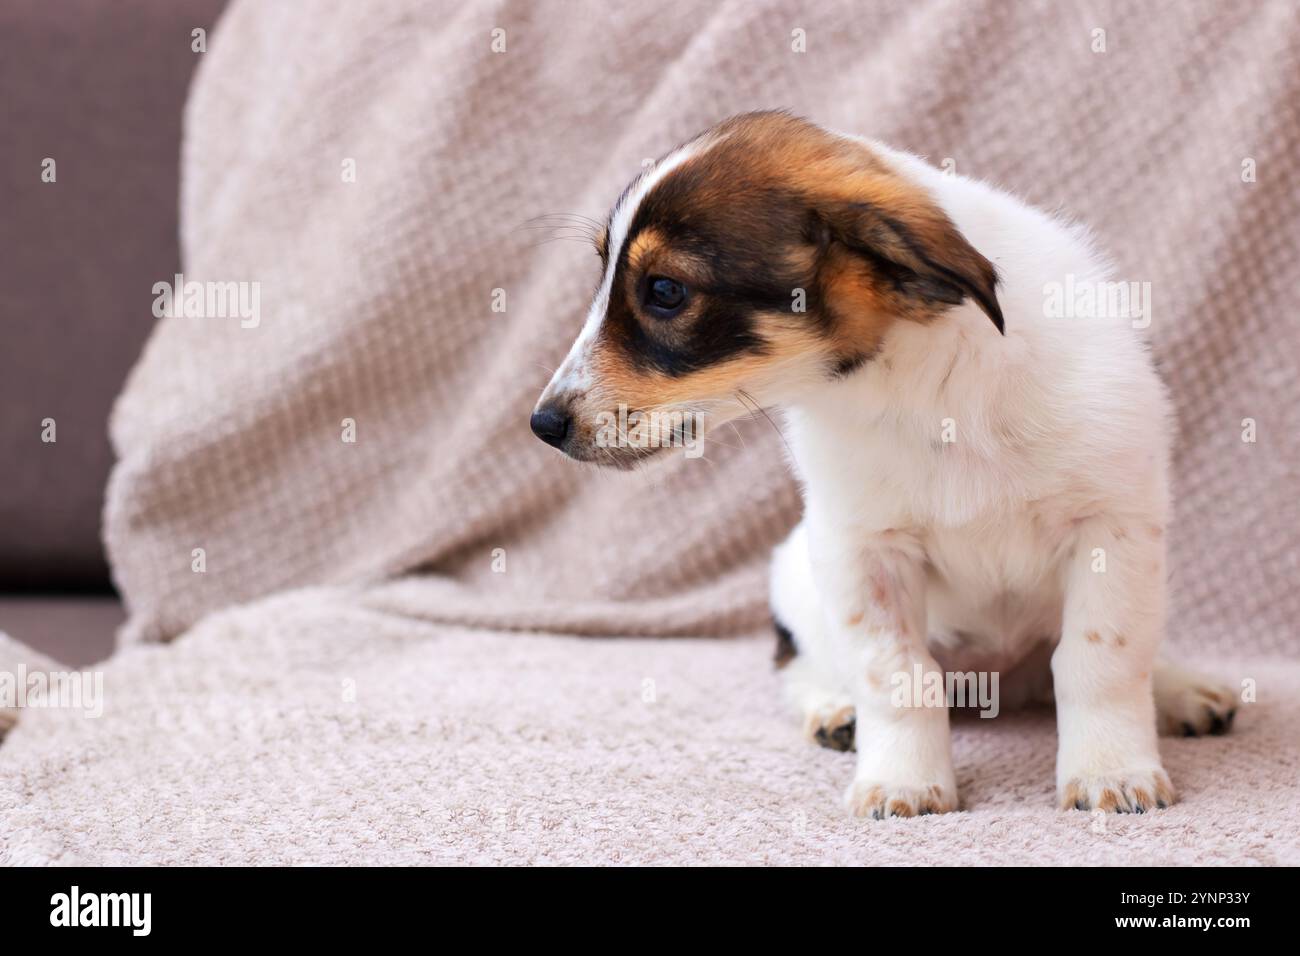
(1088, 299)
(932, 688)
(209, 300)
(657, 429)
(130, 910)
(69, 690)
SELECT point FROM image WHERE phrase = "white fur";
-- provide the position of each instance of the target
(984, 547)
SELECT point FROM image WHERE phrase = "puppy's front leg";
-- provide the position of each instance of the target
(873, 593)
(1102, 670)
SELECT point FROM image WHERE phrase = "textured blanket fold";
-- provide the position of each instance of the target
(372, 169)
(310, 728)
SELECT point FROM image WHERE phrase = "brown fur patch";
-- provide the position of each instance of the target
(1093, 637)
(863, 309)
(769, 204)
(877, 208)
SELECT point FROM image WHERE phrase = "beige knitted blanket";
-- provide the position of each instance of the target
(368, 171)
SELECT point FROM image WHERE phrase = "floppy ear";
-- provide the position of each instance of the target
(919, 250)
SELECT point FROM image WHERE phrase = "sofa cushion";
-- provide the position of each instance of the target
(99, 89)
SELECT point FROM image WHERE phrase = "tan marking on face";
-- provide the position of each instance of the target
(1121, 640)
(1093, 637)
(855, 619)
(799, 259)
(652, 254)
(643, 247)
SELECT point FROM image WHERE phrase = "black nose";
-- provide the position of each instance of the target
(550, 425)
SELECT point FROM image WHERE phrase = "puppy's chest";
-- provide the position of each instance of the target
(994, 589)
(995, 527)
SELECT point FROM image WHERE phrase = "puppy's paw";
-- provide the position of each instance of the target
(869, 798)
(831, 727)
(1190, 704)
(1128, 791)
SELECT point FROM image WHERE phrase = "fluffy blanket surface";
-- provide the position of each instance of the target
(386, 649)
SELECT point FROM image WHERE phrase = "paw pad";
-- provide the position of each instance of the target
(836, 738)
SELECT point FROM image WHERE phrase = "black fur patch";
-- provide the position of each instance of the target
(851, 363)
(786, 651)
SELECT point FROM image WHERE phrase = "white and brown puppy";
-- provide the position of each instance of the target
(985, 486)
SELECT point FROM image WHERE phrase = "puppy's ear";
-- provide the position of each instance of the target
(917, 249)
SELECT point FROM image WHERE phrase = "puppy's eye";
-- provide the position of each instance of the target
(664, 297)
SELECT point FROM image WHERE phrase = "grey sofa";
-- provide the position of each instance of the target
(99, 88)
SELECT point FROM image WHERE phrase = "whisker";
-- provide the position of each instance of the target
(558, 225)
(743, 443)
(741, 392)
(554, 220)
(543, 242)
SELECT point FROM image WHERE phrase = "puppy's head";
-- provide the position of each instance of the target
(765, 254)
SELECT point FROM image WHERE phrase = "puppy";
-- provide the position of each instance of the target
(985, 484)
